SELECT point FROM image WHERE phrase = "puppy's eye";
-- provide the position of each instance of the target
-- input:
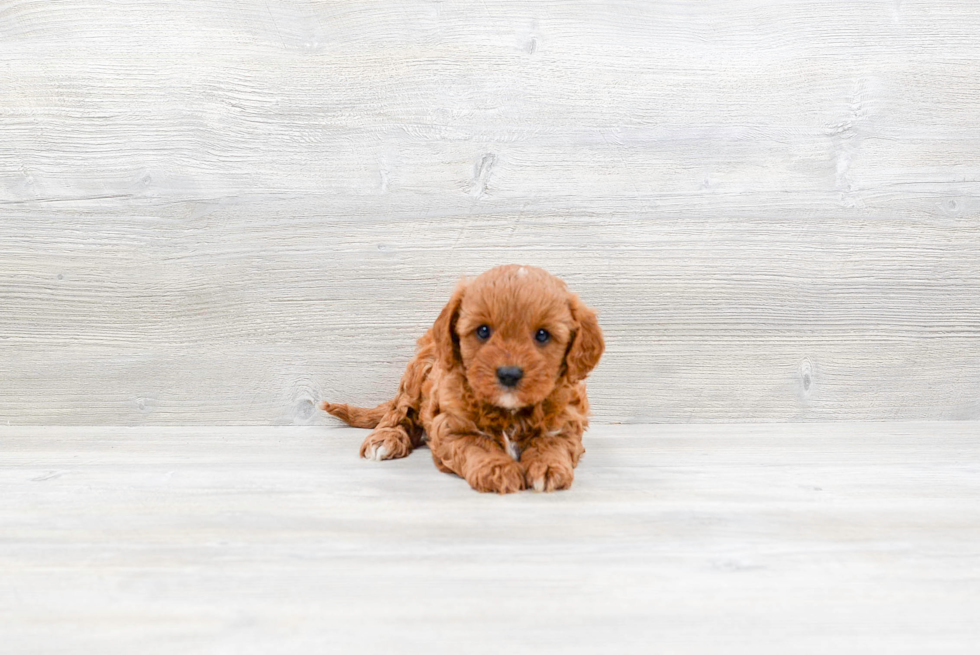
(483, 332)
(542, 336)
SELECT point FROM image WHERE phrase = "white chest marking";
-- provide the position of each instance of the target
(512, 448)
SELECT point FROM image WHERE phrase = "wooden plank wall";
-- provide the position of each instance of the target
(222, 211)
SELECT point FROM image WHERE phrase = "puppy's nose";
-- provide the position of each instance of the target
(509, 376)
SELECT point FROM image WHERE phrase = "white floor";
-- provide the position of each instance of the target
(833, 538)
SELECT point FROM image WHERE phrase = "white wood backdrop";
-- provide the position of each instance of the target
(221, 211)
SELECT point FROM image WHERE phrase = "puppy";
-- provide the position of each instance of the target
(496, 386)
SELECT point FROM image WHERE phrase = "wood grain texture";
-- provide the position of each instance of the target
(755, 539)
(222, 211)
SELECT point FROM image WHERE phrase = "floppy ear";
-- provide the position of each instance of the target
(587, 344)
(444, 330)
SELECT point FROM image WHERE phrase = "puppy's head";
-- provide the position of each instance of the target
(516, 332)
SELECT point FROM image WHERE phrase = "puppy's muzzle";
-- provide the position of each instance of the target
(509, 376)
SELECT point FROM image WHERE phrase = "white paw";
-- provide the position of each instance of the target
(538, 483)
(376, 453)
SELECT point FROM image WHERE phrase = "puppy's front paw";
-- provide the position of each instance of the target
(386, 443)
(502, 476)
(544, 475)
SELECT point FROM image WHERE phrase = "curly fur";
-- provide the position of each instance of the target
(499, 439)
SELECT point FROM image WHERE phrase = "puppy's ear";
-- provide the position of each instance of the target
(444, 330)
(587, 344)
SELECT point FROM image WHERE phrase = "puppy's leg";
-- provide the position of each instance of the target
(398, 433)
(548, 461)
(439, 465)
(400, 429)
(484, 464)
(477, 459)
(387, 443)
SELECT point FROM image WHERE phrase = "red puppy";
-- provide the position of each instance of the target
(496, 387)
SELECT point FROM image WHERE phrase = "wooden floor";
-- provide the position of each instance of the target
(832, 538)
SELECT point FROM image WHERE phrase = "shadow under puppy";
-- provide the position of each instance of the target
(496, 387)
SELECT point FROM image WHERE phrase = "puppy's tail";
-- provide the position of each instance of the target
(358, 417)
